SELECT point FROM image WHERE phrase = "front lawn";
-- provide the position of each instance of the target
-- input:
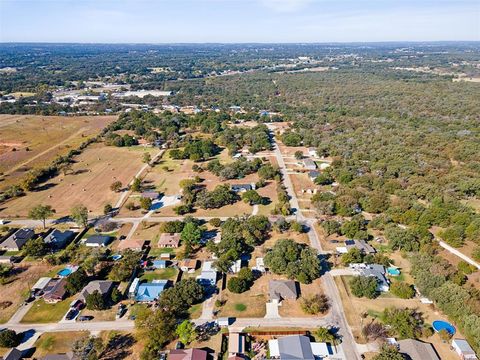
(57, 342)
(42, 312)
(160, 274)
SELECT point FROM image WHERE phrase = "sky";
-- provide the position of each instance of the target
(238, 21)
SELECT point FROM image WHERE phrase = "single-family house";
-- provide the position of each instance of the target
(131, 244)
(324, 166)
(39, 287)
(188, 265)
(59, 239)
(313, 174)
(417, 350)
(12, 354)
(208, 276)
(375, 270)
(240, 188)
(55, 291)
(104, 287)
(309, 164)
(361, 245)
(463, 349)
(187, 354)
(312, 152)
(17, 240)
(152, 195)
(295, 347)
(282, 290)
(169, 240)
(98, 241)
(149, 291)
(236, 343)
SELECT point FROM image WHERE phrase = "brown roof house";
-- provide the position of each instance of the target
(131, 244)
(188, 264)
(55, 291)
(17, 240)
(188, 354)
(167, 240)
(417, 350)
(102, 286)
(282, 290)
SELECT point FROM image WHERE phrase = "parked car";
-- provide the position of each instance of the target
(71, 314)
(85, 318)
(122, 309)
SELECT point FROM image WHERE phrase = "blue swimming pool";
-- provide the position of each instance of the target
(443, 325)
(393, 271)
(64, 272)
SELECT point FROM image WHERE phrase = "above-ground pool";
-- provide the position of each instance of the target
(443, 325)
(64, 272)
(393, 271)
(116, 257)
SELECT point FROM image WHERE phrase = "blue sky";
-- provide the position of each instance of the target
(164, 21)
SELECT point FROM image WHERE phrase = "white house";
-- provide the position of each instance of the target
(463, 349)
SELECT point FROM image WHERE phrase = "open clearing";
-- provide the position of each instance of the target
(16, 290)
(88, 183)
(57, 342)
(29, 141)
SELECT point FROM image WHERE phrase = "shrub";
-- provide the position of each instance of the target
(402, 290)
(364, 286)
(9, 338)
(314, 304)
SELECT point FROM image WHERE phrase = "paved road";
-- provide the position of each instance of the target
(120, 325)
(20, 313)
(336, 315)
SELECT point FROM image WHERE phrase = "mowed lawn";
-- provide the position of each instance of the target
(89, 183)
(28, 141)
(42, 312)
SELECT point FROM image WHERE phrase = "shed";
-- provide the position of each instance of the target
(463, 349)
(153, 195)
(159, 264)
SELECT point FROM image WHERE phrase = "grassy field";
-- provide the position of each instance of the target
(42, 312)
(32, 141)
(89, 183)
(160, 274)
(16, 290)
(57, 342)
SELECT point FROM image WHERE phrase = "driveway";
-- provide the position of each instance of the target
(272, 310)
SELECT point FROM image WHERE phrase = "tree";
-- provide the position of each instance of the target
(252, 197)
(35, 248)
(406, 323)
(402, 290)
(331, 227)
(116, 295)
(242, 282)
(298, 155)
(157, 327)
(116, 186)
(76, 281)
(388, 353)
(96, 301)
(453, 235)
(136, 185)
(364, 286)
(79, 214)
(353, 256)
(41, 212)
(146, 158)
(145, 203)
(322, 334)
(180, 297)
(124, 268)
(374, 330)
(107, 209)
(314, 304)
(191, 234)
(186, 332)
(88, 348)
(9, 338)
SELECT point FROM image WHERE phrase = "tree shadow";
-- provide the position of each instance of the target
(118, 347)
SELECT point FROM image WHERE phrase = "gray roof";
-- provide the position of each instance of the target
(375, 270)
(282, 289)
(417, 350)
(58, 238)
(103, 287)
(239, 187)
(12, 354)
(18, 239)
(295, 347)
(64, 356)
(309, 163)
(98, 239)
(361, 245)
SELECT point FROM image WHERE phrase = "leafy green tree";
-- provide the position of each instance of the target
(41, 212)
(453, 235)
(116, 186)
(136, 185)
(125, 267)
(322, 334)
(96, 301)
(252, 197)
(107, 209)
(317, 303)
(331, 227)
(76, 281)
(79, 214)
(402, 290)
(35, 248)
(298, 155)
(145, 203)
(9, 338)
(388, 353)
(146, 158)
(364, 286)
(191, 234)
(406, 323)
(186, 332)
(353, 256)
(242, 282)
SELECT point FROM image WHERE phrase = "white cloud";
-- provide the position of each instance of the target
(286, 6)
